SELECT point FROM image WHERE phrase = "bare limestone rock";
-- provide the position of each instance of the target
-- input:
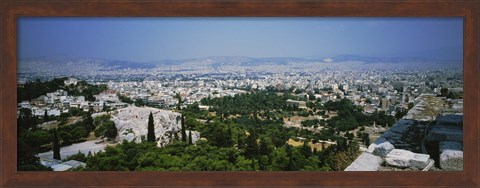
(383, 149)
(451, 156)
(451, 160)
(132, 121)
(365, 162)
(404, 159)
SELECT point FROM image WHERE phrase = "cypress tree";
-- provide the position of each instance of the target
(220, 113)
(151, 129)
(263, 147)
(179, 101)
(190, 138)
(45, 116)
(184, 132)
(56, 145)
(240, 141)
(288, 150)
(230, 136)
(251, 151)
(175, 135)
(306, 150)
(89, 121)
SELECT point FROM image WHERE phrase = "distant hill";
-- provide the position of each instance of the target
(68, 64)
(236, 61)
(86, 67)
(367, 59)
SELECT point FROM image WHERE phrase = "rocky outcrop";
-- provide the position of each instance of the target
(451, 156)
(405, 159)
(405, 134)
(427, 108)
(383, 149)
(366, 162)
(132, 121)
(423, 130)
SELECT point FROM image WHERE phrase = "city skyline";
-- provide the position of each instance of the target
(154, 39)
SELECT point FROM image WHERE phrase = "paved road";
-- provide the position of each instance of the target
(83, 147)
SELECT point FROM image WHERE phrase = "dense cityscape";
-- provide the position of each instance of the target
(296, 115)
(240, 94)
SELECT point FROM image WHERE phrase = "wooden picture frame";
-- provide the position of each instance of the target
(12, 10)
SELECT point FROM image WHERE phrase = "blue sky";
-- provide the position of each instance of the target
(153, 39)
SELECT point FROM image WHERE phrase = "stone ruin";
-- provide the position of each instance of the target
(425, 139)
(416, 145)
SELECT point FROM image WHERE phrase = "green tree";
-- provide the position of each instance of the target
(444, 92)
(229, 136)
(139, 102)
(66, 137)
(305, 150)
(190, 138)
(124, 99)
(410, 105)
(89, 121)
(288, 150)
(217, 135)
(179, 104)
(45, 116)
(184, 132)
(90, 97)
(264, 153)
(251, 151)
(30, 140)
(79, 132)
(56, 145)
(111, 130)
(265, 146)
(106, 129)
(366, 139)
(151, 129)
(78, 157)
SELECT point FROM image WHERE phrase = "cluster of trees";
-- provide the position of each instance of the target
(444, 92)
(314, 123)
(77, 132)
(145, 156)
(194, 111)
(234, 140)
(31, 139)
(82, 88)
(248, 138)
(261, 102)
(105, 127)
(350, 117)
(35, 89)
(125, 99)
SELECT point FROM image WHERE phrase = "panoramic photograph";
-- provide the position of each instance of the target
(239, 94)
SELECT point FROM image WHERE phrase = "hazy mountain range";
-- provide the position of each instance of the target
(66, 66)
(207, 61)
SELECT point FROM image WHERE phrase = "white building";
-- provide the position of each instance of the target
(70, 81)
